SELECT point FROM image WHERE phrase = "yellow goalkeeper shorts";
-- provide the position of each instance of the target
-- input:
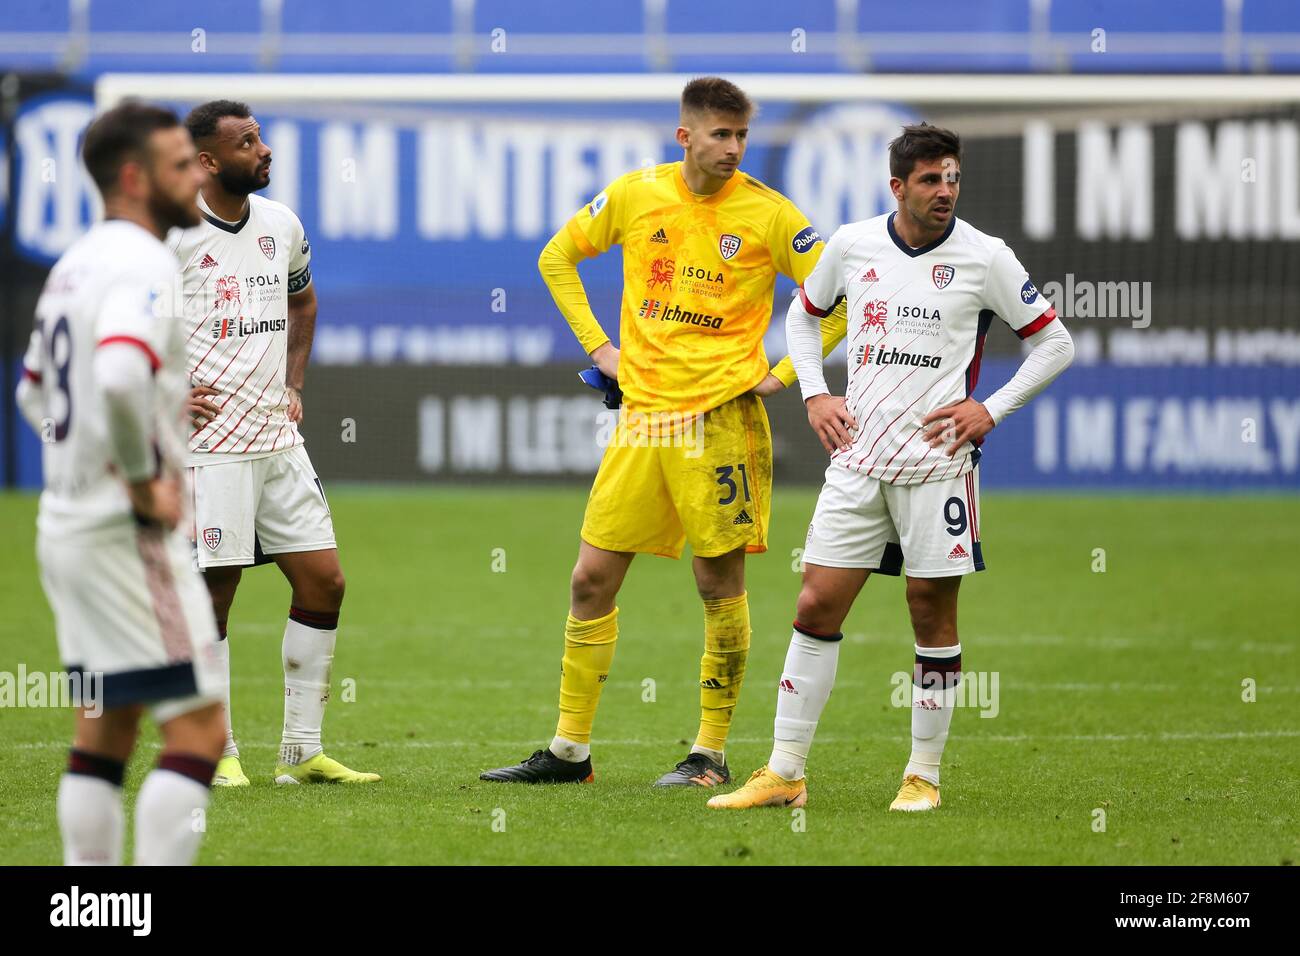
(705, 479)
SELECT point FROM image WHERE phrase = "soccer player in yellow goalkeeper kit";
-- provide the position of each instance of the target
(691, 458)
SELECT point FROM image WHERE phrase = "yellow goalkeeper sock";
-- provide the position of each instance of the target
(722, 668)
(588, 653)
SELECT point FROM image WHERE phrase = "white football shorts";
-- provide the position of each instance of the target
(130, 609)
(932, 528)
(245, 510)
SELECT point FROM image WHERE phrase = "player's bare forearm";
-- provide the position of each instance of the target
(302, 330)
(605, 358)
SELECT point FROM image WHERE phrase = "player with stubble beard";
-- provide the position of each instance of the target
(250, 314)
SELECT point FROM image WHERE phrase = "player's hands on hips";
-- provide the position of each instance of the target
(199, 409)
(769, 386)
(830, 419)
(605, 358)
(157, 499)
(295, 404)
(954, 425)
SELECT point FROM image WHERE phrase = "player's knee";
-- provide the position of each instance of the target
(921, 608)
(208, 731)
(201, 732)
(214, 732)
(334, 585)
(714, 588)
(720, 577)
(817, 611)
(589, 584)
(929, 612)
(222, 584)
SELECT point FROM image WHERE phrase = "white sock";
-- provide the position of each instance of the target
(570, 750)
(90, 821)
(223, 657)
(717, 756)
(308, 653)
(805, 687)
(934, 693)
(170, 814)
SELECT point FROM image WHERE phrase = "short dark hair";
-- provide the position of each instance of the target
(716, 95)
(202, 121)
(121, 135)
(921, 141)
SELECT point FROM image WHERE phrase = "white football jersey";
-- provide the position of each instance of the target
(237, 279)
(110, 286)
(916, 325)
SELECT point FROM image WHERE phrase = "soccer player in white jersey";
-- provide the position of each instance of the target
(902, 487)
(250, 315)
(104, 385)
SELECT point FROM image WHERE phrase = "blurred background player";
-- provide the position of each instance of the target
(902, 486)
(702, 245)
(250, 315)
(104, 385)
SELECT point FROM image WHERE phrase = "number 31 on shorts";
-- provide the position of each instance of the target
(726, 480)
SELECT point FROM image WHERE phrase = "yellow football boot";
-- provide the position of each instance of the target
(320, 769)
(763, 789)
(230, 774)
(916, 794)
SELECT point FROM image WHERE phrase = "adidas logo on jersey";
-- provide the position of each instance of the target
(743, 518)
(207, 262)
(660, 236)
(870, 276)
(958, 554)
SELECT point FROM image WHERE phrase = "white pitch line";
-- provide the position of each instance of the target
(1006, 684)
(894, 738)
(256, 629)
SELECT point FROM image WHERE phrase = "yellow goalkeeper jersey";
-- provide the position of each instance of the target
(698, 280)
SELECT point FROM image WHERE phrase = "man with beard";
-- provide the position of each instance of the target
(104, 384)
(250, 313)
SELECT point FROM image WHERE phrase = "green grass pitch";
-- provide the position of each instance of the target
(1119, 691)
